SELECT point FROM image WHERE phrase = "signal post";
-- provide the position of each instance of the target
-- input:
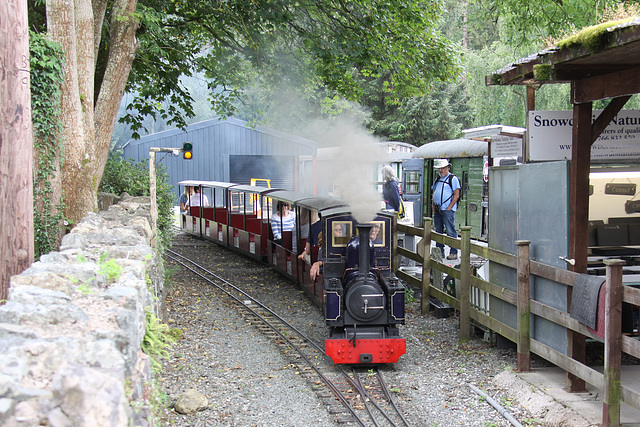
(187, 154)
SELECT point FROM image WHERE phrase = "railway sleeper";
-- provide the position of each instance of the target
(346, 420)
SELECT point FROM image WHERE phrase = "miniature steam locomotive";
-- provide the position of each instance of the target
(362, 300)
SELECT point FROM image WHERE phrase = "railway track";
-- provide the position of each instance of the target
(355, 397)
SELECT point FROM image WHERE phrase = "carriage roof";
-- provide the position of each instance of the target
(252, 189)
(209, 184)
(321, 203)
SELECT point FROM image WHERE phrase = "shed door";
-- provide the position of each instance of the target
(279, 169)
(412, 185)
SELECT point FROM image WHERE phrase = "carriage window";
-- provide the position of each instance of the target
(341, 233)
(412, 182)
(237, 201)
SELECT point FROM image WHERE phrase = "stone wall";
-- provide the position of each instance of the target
(71, 330)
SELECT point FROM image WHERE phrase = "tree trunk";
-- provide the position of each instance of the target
(16, 187)
(122, 49)
(76, 170)
(465, 25)
(88, 126)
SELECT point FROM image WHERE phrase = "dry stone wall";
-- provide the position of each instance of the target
(72, 328)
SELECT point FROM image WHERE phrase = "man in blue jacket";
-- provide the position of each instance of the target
(444, 202)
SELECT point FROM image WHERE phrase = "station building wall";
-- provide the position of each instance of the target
(224, 150)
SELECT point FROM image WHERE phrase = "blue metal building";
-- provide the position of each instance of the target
(230, 151)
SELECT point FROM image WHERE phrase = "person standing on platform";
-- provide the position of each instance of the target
(390, 191)
(444, 202)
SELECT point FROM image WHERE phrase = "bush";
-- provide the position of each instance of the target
(122, 175)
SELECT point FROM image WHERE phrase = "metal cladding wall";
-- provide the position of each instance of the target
(531, 202)
(214, 143)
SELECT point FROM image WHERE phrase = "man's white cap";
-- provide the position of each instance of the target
(440, 163)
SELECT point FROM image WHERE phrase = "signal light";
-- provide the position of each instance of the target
(186, 151)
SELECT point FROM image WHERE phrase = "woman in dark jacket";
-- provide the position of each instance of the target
(390, 191)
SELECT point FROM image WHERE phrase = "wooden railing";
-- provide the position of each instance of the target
(614, 392)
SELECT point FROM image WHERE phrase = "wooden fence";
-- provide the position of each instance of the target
(614, 392)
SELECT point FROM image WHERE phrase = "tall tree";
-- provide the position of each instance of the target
(437, 116)
(88, 114)
(16, 191)
(529, 21)
(328, 44)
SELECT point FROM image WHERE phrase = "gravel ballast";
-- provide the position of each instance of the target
(249, 382)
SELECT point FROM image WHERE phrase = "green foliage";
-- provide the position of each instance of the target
(47, 73)
(157, 341)
(522, 24)
(506, 104)
(133, 178)
(437, 116)
(109, 268)
(311, 45)
(409, 294)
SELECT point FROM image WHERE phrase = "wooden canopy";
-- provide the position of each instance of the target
(599, 62)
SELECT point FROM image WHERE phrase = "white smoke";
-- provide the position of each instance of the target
(354, 168)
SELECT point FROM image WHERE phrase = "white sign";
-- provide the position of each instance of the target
(506, 146)
(550, 136)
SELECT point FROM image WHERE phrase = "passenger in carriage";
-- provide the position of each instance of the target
(338, 233)
(196, 198)
(283, 220)
(315, 268)
(312, 238)
(184, 199)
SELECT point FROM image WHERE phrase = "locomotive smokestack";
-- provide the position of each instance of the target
(364, 230)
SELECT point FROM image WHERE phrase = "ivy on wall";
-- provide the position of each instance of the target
(47, 73)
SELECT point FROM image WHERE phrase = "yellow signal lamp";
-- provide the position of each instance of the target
(187, 153)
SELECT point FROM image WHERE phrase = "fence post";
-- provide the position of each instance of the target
(465, 283)
(425, 244)
(524, 307)
(612, 344)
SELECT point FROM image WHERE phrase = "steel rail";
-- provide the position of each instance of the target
(383, 384)
(364, 395)
(174, 256)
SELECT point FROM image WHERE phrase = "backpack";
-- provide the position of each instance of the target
(401, 211)
(448, 180)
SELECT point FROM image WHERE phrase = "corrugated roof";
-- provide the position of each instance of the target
(491, 130)
(217, 121)
(451, 148)
(397, 157)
